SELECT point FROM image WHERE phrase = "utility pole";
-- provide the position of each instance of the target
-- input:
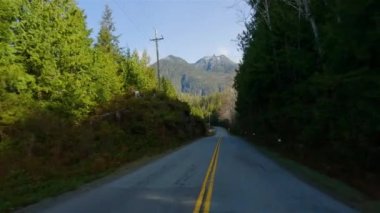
(209, 122)
(156, 39)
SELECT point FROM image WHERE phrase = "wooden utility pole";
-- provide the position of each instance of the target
(156, 39)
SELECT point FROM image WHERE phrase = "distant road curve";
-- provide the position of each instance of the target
(221, 173)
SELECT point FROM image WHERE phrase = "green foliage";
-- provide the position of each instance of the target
(48, 154)
(64, 100)
(137, 73)
(312, 80)
(218, 107)
(168, 88)
(105, 77)
(47, 60)
(106, 40)
(53, 49)
(15, 83)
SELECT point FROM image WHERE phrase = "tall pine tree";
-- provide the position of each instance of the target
(107, 56)
(106, 38)
(54, 45)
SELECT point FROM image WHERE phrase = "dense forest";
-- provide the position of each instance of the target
(309, 84)
(217, 108)
(49, 61)
(73, 108)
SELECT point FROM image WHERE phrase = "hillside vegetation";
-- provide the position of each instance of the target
(216, 108)
(309, 85)
(72, 109)
(46, 154)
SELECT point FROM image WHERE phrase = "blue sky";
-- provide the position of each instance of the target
(191, 28)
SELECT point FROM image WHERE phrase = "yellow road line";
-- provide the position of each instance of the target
(203, 188)
(207, 204)
(208, 183)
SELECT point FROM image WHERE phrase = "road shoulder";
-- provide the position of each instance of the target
(107, 178)
(333, 187)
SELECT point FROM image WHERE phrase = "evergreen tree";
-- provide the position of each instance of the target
(168, 88)
(107, 82)
(54, 46)
(138, 73)
(15, 83)
(106, 38)
(310, 76)
(107, 61)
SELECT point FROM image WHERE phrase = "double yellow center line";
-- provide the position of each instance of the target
(203, 203)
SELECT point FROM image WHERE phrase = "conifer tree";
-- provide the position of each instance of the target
(138, 74)
(106, 38)
(54, 45)
(15, 83)
(311, 76)
(107, 58)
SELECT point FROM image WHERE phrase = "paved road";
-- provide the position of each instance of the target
(218, 174)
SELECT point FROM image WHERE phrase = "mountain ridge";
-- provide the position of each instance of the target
(215, 63)
(207, 75)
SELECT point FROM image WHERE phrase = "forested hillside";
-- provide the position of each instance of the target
(207, 76)
(73, 109)
(205, 85)
(309, 84)
(217, 108)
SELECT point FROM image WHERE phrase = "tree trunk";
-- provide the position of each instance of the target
(267, 15)
(314, 27)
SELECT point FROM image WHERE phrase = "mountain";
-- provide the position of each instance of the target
(216, 64)
(207, 75)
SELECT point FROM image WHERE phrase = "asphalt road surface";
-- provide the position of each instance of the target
(221, 173)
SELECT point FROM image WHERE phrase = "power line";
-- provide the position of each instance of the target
(128, 18)
(156, 40)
